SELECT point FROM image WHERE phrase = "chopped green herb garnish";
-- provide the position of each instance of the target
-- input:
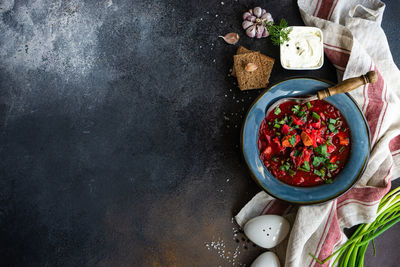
(278, 133)
(341, 149)
(277, 126)
(269, 123)
(306, 166)
(329, 142)
(296, 108)
(322, 150)
(277, 111)
(332, 166)
(309, 105)
(315, 115)
(328, 181)
(278, 33)
(300, 113)
(292, 140)
(296, 153)
(296, 127)
(291, 172)
(285, 166)
(329, 175)
(333, 121)
(317, 161)
(331, 128)
(317, 172)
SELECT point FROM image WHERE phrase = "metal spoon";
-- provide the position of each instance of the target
(342, 87)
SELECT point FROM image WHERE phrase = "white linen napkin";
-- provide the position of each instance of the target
(355, 43)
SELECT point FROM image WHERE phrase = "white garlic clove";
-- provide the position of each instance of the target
(251, 18)
(231, 38)
(250, 67)
(265, 33)
(251, 31)
(263, 12)
(267, 17)
(257, 11)
(246, 15)
(259, 31)
(247, 24)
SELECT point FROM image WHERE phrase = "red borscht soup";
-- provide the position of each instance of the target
(304, 144)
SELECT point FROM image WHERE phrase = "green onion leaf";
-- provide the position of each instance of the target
(317, 161)
(277, 126)
(292, 140)
(277, 111)
(341, 149)
(331, 127)
(309, 105)
(315, 115)
(322, 150)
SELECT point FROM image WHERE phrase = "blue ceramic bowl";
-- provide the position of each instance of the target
(352, 171)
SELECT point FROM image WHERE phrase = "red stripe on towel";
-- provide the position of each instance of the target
(375, 104)
(333, 8)
(278, 207)
(325, 9)
(327, 224)
(338, 47)
(366, 194)
(337, 57)
(394, 144)
(332, 238)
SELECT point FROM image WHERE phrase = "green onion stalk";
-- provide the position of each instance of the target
(352, 252)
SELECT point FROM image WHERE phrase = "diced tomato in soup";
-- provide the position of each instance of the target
(304, 144)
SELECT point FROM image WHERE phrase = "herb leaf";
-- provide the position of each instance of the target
(322, 150)
(277, 111)
(279, 33)
(317, 161)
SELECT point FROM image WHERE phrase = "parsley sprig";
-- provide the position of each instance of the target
(279, 33)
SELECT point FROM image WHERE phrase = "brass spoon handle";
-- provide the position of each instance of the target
(348, 85)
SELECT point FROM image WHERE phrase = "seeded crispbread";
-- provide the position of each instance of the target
(249, 80)
(267, 61)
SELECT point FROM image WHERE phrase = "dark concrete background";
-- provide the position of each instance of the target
(119, 131)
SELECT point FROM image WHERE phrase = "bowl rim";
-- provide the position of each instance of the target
(254, 177)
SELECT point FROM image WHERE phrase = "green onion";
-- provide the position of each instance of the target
(296, 108)
(315, 115)
(353, 251)
(306, 166)
(341, 149)
(331, 127)
(309, 105)
(291, 172)
(277, 126)
(292, 140)
(277, 111)
(333, 121)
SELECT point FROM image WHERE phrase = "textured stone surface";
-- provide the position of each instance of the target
(119, 131)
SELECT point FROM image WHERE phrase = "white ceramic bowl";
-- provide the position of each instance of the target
(321, 62)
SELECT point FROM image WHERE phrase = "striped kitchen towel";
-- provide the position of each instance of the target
(355, 43)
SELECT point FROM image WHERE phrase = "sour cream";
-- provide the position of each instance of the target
(304, 50)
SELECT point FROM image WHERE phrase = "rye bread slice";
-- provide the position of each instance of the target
(249, 80)
(267, 61)
(240, 50)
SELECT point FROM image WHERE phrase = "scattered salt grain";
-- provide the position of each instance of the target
(222, 3)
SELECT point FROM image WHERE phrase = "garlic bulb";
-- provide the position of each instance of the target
(254, 22)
